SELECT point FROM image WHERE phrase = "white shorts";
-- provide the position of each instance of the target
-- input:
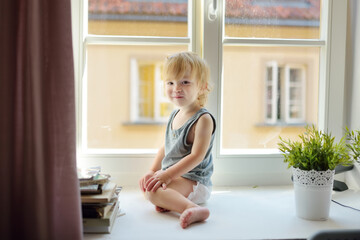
(200, 193)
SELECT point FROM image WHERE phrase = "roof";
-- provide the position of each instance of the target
(263, 12)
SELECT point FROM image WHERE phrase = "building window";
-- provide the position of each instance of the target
(149, 104)
(285, 94)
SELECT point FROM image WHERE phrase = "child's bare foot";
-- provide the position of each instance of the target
(192, 215)
(160, 209)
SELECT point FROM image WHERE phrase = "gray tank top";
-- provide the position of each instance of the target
(177, 148)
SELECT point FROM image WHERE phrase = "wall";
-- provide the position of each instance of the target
(353, 69)
(352, 104)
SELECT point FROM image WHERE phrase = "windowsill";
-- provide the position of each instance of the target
(282, 124)
(353, 177)
(144, 123)
(262, 212)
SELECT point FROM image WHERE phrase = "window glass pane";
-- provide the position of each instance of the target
(247, 104)
(295, 93)
(138, 18)
(269, 91)
(295, 76)
(126, 105)
(298, 19)
(295, 111)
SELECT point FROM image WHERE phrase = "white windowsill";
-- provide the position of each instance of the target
(235, 213)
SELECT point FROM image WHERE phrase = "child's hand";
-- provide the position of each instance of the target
(159, 179)
(144, 179)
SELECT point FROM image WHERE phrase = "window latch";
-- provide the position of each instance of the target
(212, 11)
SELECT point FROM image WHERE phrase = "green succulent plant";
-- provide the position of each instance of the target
(353, 144)
(316, 150)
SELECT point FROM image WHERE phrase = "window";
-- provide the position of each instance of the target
(294, 94)
(272, 41)
(149, 104)
(124, 108)
(285, 94)
(272, 91)
(275, 66)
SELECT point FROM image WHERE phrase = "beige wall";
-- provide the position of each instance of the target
(244, 69)
(271, 31)
(173, 29)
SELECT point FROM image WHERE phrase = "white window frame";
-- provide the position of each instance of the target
(82, 39)
(234, 168)
(265, 166)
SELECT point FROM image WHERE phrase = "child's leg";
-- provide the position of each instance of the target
(174, 198)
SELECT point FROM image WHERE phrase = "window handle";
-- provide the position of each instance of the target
(212, 11)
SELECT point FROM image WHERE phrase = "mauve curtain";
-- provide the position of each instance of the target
(39, 191)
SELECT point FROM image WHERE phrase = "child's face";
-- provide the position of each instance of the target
(182, 92)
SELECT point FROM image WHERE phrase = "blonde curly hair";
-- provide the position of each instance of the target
(177, 65)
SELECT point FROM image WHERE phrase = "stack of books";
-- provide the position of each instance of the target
(99, 201)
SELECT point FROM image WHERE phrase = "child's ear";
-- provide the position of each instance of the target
(203, 87)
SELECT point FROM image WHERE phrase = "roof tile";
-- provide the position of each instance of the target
(234, 9)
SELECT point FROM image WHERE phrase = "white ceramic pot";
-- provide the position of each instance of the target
(313, 193)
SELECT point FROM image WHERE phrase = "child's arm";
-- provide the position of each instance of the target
(158, 158)
(202, 138)
(156, 166)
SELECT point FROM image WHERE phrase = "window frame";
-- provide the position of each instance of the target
(84, 39)
(234, 167)
(259, 166)
(329, 41)
(274, 91)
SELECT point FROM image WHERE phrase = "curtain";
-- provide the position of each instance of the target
(39, 190)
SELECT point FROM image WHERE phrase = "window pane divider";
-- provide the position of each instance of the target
(273, 42)
(134, 40)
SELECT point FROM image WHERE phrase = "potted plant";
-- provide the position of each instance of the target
(353, 144)
(313, 159)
